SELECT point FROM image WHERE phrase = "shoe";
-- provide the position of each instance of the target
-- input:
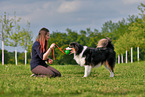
(33, 75)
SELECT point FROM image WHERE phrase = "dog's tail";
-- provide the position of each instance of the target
(109, 44)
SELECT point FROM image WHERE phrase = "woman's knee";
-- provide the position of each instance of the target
(59, 74)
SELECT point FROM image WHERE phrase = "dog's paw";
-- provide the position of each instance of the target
(112, 75)
(84, 76)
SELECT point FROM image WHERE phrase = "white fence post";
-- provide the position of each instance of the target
(16, 55)
(126, 56)
(137, 53)
(3, 52)
(25, 57)
(121, 58)
(118, 59)
(131, 54)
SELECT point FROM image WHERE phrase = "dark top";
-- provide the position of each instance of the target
(37, 56)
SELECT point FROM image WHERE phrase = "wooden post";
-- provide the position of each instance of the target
(131, 54)
(126, 56)
(121, 58)
(16, 55)
(2, 52)
(137, 53)
(25, 57)
(118, 59)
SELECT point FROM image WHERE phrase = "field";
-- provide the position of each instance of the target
(129, 81)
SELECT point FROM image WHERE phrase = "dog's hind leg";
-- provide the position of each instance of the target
(87, 70)
(107, 66)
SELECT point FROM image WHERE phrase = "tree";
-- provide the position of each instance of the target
(93, 37)
(109, 27)
(114, 30)
(141, 7)
(135, 33)
(14, 36)
(26, 40)
(6, 26)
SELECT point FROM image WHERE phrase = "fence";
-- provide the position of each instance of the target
(121, 58)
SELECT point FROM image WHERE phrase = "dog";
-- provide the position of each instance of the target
(94, 57)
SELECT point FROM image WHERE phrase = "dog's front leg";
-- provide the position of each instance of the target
(87, 70)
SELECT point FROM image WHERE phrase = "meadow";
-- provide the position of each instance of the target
(129, 81)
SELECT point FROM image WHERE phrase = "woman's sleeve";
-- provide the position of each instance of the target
(38, 51)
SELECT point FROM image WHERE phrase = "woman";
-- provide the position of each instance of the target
(40, 56)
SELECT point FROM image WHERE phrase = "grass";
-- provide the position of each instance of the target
(129, 81)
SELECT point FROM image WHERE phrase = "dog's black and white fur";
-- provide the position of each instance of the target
(94, 57)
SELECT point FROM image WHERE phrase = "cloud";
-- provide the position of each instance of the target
(69, 13)
(69, 6)
(132, 1)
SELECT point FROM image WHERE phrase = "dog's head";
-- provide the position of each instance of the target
(76, 47)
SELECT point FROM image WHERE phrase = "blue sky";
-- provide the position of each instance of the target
(58, 15)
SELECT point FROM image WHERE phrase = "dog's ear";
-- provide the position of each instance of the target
(76, 46)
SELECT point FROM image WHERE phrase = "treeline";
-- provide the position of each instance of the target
(127, 33)
(10, 57)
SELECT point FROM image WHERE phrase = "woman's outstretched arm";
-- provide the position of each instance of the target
(45, 55)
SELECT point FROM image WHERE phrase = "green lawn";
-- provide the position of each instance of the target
(129, 81)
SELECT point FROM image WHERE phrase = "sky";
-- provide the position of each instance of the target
(58, 15)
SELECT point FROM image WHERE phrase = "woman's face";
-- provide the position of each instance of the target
(47, 36)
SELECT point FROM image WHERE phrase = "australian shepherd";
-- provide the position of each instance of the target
(94, 57)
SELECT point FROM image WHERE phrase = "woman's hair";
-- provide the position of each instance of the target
(41, 39)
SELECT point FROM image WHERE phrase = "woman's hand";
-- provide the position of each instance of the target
(50, 61)
(45, 55)
(52, 46)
